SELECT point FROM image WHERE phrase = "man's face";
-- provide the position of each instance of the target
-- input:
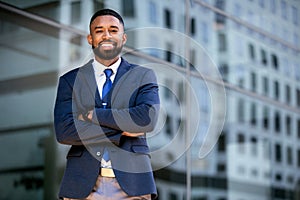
(107, 37)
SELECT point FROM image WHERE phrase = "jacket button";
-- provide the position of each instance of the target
(98, 153)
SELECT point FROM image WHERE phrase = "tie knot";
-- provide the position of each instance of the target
(108, 72)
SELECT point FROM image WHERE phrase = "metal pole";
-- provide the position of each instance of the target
(188, 105)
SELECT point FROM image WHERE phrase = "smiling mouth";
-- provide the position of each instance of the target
(107, 45)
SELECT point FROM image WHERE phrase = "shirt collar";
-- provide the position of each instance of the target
(99, 68)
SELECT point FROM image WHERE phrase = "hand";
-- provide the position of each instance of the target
(87, 117)
(132, 134)
(80, 117)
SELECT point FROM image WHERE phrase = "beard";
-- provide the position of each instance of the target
(107, 54)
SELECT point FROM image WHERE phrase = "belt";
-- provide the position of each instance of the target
(107, 172)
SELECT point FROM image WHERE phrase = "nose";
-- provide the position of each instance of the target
(106, 35)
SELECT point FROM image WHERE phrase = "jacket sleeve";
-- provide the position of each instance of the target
(70, 130)
(138, 118)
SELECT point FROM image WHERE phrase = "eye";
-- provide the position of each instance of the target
(114, 31)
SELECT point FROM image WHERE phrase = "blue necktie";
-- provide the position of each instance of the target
(106, 87)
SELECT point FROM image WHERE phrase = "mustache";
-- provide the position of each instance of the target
(107, 41)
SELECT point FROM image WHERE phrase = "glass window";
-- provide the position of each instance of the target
(264, 60)
(253, 114)
(290, 179)
(224, 71)
(297, 71)
(221, 167)
(288, 94)
(152, 12)
(39, 56)
(76, 12)
(298, 158)
(193, 26)
(49, 10)
(298, 128)
(241, 142)
(168, 125)
(181, 124)
(286, 35)
(289, 155)
(98, 5)
(274, 27)
(181, 92)
(265, 86)
(192, 60)
(296, 40)
(239, 46)
(286, 67)
(288, 125)
(241, 111)
(283, 9)
(253, 81)
(222, 142)
(169, 52)
(276, 90)
(295, 15)
(278, 177)
(277, 122)
(298, 97)
(220, 18)
(266, 149)
(222, 42)
(166, 89)
(266, 115)
(128, 9)
(251, 51)
(205, 34)
(278, 154)
(253, 146)
(168, 18)
(241, 82)
(274, 60)
(30, 57)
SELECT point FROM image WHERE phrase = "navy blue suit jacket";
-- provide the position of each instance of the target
(133, 106)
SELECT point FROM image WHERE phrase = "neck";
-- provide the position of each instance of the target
(107, 63)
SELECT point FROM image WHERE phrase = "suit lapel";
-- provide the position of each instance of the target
(122, 70)
(88, 74)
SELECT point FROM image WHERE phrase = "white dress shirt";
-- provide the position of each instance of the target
(100, 76)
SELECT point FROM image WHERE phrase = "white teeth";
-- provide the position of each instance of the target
(107, 45)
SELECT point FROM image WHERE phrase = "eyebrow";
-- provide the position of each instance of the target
(109, 27)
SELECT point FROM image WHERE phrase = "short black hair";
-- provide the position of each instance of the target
(107, 11)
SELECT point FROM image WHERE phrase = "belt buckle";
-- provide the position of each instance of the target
(107, 172)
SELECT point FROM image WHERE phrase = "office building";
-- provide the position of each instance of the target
(253, 45)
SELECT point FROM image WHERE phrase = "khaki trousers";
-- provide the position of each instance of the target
(109, 189)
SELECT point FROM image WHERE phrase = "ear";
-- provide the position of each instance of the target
(124, 37)
(89, 39)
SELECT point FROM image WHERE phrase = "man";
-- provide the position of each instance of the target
(103, 109)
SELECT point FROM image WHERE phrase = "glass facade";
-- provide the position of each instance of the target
(229, 127)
